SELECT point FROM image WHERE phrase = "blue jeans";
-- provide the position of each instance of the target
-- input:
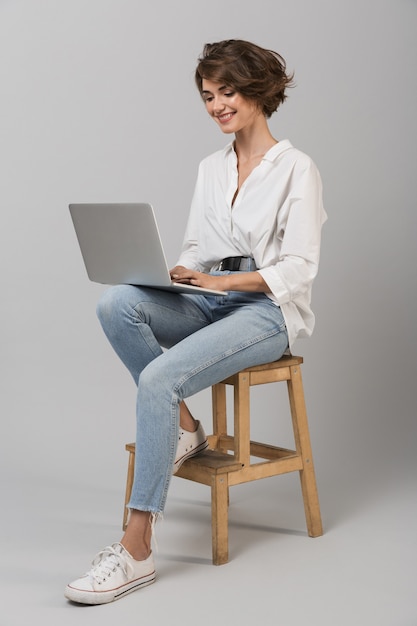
(174, 346)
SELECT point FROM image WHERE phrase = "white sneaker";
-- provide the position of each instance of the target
(189, 444)
(114, 574)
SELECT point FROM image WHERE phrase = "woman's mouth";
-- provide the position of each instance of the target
(225, 117)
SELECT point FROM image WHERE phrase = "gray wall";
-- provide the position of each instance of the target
(98, 103)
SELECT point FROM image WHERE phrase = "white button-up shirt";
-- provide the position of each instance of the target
(276, 218)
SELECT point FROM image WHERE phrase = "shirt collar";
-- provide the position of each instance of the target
(276, 150)
(272, 153)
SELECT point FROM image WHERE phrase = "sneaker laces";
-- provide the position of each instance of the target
(107, 561)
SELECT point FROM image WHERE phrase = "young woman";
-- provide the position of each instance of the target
(253, 232)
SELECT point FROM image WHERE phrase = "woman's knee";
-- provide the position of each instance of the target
(112, 302)
(156, 379)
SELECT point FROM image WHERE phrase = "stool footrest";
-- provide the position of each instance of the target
(257, 449)
(216, 461)
(209, 463)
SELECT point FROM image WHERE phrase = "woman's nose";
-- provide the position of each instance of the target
(218, 105)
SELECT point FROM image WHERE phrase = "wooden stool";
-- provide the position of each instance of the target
(220, 470)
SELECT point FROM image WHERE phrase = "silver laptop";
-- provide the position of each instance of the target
(120, 243)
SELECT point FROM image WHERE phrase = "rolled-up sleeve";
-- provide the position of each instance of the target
(298, 233)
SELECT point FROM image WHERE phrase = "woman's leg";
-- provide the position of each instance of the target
(248, 330)
(137, 323)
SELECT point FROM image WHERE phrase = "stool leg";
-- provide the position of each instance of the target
(303, 445)
(219, 413)
(129, 485)
(242, 418)
(218, 394)
(219, 519)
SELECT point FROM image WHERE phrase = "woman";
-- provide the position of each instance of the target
(254, 232)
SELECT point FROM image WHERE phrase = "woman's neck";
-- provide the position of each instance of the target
(253, 142)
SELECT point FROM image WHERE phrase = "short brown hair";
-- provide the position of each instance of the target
(256, 73)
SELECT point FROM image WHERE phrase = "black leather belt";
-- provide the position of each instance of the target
(238, 264)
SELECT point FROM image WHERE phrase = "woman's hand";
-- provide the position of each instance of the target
(180, 274)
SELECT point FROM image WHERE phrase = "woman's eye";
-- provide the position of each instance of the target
(208, 99)
(229, 94)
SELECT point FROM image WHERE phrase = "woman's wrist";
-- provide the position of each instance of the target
(244, 281)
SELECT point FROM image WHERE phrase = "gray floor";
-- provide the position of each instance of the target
(361, 572)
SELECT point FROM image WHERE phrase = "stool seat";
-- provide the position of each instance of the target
(233, 459)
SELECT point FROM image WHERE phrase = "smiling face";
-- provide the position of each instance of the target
(228, 108)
